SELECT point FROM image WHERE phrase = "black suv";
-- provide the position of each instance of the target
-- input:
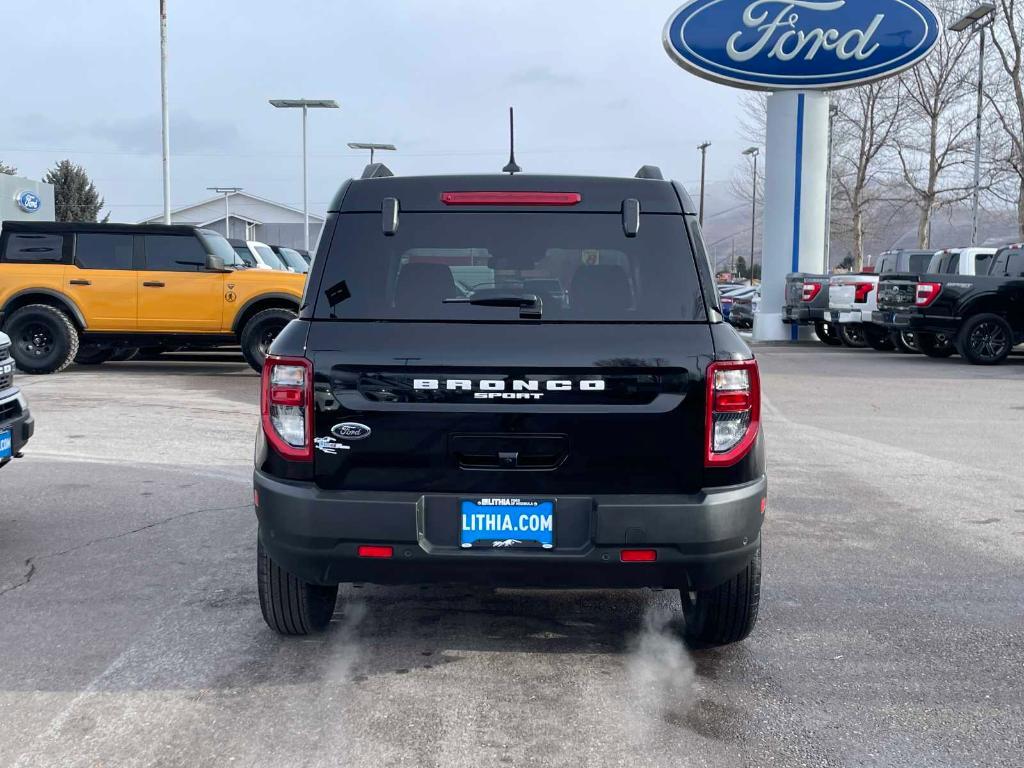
(517, 380)
(16, 423)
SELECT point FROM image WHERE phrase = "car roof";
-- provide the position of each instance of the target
(64, 227)
(423, 193)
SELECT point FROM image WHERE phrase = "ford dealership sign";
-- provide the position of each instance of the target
(800, 44)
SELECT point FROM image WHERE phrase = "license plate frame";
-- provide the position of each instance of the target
(507, 523)
(6, 443)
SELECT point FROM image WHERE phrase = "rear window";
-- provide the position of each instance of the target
(102, 251)
(581, 265)
(983, 263)
(34, 248)
(919, 262)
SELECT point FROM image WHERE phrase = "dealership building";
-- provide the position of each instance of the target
(248, 217)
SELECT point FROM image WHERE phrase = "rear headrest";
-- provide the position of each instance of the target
(601, 290)
(422, 288)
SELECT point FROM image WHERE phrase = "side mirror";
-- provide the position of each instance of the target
(215, 263)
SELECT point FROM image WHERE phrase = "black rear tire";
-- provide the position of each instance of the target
(43, 339)
(905, 342)
(985, 339)
(291, 606)
(852, 335)
(937, 345)
(93, 354)
(259, 333)
(877, 339)
(827, 334)
(727, 613)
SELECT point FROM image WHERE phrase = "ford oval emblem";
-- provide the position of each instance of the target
(350, 430)
(800, 44)
(28, 201)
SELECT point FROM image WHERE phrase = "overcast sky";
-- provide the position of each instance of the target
(594, 92)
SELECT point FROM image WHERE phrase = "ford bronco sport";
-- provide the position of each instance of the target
(16, 422)
(81, 292)
(516, 380)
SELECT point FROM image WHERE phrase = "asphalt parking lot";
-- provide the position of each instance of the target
(890, 633)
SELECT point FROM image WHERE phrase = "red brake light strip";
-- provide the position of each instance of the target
(512, 198)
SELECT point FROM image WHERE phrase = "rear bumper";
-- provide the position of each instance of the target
(914, 321)
(20, 422)
(802, 315)
(701, 540)
(850, 316)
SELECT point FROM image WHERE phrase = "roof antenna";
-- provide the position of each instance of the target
(512, 169)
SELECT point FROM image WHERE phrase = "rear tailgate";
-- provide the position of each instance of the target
(491, 409)
(897, 292)
(850, 292)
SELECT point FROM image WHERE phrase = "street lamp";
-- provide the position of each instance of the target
(305, 105)
(753, 152)
(703, 148)
(372, 147)
(227, 192)
(976, 22)
(165, 123)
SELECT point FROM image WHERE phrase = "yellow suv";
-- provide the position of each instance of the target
(83, 292)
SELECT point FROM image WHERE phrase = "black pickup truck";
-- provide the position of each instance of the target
(807, 304)
(516, 380)
(981, 317)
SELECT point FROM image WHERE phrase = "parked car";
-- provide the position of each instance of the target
(411, 433)
(305, 255)
(84, 292)
(853, 300)
(261, 253)
(807, 304)
(291, 258)
(979, 316)
(730, 294)
(16, 422)
(744, 309)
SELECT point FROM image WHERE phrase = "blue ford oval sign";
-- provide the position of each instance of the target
(28, 201)
(800, 44)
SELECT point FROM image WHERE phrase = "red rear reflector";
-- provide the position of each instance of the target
(764, 504)
(639, 555)
(732, 402)
(511, 198)
(367, 550)
(287, 396)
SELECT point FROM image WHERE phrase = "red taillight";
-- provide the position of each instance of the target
(375, 552)
(811, 291)
(927, 293)
(638, 555)
(286, 406)
(863, 290)
(733, 414)
(511, 198)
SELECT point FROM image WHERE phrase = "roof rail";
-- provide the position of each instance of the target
(650, 172)
(376, 171)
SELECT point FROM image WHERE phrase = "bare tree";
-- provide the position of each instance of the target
(934, 143)
(1007, 97)
(8, 170)
(863, 132)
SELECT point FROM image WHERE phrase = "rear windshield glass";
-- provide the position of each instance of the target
(581, 266)
(919, 262)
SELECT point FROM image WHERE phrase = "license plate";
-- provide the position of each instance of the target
(507, 524)
(5, 444)
(835, 317)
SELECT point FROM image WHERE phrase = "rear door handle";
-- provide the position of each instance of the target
(80, 282)
(149, 284)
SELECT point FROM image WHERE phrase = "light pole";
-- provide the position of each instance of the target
(976, 22)
(165, 119)
(833, 112)
(372, 147)
(305, 105)
(753, 152)
(703, 167)
(227, 192)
